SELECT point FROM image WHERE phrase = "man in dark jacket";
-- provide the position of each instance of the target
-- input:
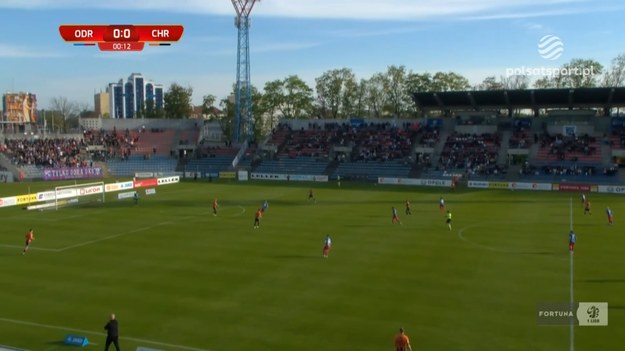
(112, 333)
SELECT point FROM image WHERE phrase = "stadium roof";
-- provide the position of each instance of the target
(605, 98)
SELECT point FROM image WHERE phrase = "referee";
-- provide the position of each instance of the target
(112, 333)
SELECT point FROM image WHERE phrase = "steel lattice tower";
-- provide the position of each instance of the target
(243, 90)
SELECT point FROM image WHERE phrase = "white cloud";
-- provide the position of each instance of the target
(15, 51)
(345, 9)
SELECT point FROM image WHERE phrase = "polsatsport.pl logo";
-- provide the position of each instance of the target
(550, 47)
(551, 71)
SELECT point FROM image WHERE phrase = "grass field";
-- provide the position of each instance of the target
(179, 278)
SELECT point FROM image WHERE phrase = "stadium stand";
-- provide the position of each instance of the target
(471, 154)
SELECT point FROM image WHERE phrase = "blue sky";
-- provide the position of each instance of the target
(476, 38)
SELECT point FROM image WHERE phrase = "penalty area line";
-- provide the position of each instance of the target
(90, 332)
(119, 234)
(30, 248)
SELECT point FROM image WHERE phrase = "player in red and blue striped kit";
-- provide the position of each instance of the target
(572, 240)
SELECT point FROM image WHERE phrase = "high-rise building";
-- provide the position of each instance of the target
(135, 98)
(102, 104)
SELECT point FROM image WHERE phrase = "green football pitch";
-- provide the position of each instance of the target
(179, 278)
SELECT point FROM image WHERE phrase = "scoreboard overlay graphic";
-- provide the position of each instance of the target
(121, 37)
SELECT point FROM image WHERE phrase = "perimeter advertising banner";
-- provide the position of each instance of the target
(72, 173)
(144, 183)
(574, 187)
(611, 189)
(19, 108)
(415, 182)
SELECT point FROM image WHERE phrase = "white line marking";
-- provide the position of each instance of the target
(30, 248)
(10, 348)
(137, 340)
(114, 236)
(242, 212)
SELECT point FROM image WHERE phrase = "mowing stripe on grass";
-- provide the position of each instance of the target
(83, 331)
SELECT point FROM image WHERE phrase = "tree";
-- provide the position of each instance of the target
(578, 73)
(335, 91)
(582, 73)
(272, 99)
(449, 81)
(86, 112)
(227, 118)
(419, 82)
(360, 108)
(67, 109)
(298, 98)
(226, 121)
(259, 128)
(178, 101)
(490, 83)
(395, 89)
(375, 95)
(208, 105)
(517, 81)
(615, 76)
(150, 110)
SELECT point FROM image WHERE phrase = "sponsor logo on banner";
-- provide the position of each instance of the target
(126, 195)
(150, 191)
(8, 201)
(144, 175)
(243, 175)
(268, 176)
(72, 173)
(320, 178)
(90, 190)
(76, 340)
(46, 196)
(144, 183)
(434, 182)
(582, 313)
(592, 314)
(111, 187)
(25, 199)
(118, 186)
(168, 180)
(416, 182)
(478, 184)
(227, 175)
(530, 186)
(612, 189)
(572, 187)
(498, 185)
